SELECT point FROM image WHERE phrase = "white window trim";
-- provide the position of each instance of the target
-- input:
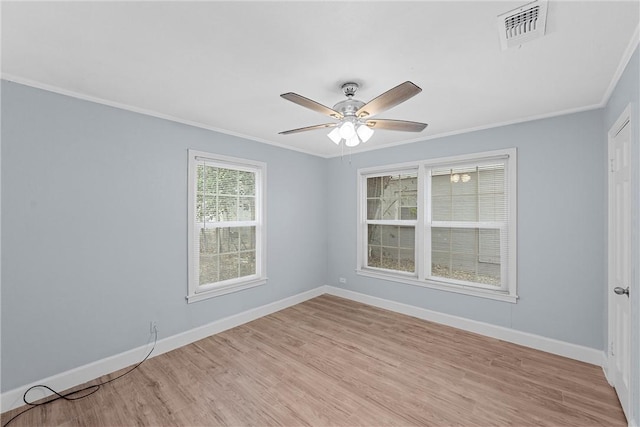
(509, 294)
(196, 292)
(393, 222)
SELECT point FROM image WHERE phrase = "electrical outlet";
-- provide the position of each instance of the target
(153, 326)
(342, 280)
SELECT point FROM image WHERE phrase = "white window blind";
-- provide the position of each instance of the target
(468, 227)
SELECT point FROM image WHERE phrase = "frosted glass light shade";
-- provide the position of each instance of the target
(364, 132)
(353, 141)
(347, 130)
(334, 135)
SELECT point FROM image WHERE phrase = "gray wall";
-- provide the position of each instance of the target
(560, 234)
(94, 230)
(626, 92)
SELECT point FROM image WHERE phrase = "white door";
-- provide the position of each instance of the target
(620, 258)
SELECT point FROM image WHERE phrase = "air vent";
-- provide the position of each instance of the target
(523, 24)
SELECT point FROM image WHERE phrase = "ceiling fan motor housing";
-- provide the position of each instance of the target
(349, 106)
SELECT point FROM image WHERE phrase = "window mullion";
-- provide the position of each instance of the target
(228, 224)
(469, 224)
(400, 222)
(477, 248)
(423, 234)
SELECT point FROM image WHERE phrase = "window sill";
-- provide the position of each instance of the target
(465, 290)
(223, 290)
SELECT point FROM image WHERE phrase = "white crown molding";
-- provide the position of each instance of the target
(479, 128)
(13, 398)
(628, 53)
(127, 107)
(626, 57)
(61, 91)
(77, 95)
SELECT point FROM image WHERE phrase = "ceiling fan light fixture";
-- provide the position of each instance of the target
(347, 130)
(353, 141)
(364, 132)
(334, 135)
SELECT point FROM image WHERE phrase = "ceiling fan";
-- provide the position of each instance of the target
(355, 124)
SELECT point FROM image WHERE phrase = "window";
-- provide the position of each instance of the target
(445, 223)
(226, 225)
(391, 220)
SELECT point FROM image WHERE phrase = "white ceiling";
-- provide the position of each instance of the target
(223, 65)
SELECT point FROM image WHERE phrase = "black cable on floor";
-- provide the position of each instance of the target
(71, 396)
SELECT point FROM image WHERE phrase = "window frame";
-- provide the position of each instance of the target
(195, 291)
(421, 277)
(392, 222)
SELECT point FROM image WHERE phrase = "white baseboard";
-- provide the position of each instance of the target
(605, 368)
(13, 399)
(550, 345)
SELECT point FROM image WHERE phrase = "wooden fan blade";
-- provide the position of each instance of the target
(326, 125)
(389, 99)
(312, 105)
(401, 125)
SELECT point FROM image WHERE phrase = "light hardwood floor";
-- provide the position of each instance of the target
(335, 362)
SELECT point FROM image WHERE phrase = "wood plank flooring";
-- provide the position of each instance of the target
(335, 362)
